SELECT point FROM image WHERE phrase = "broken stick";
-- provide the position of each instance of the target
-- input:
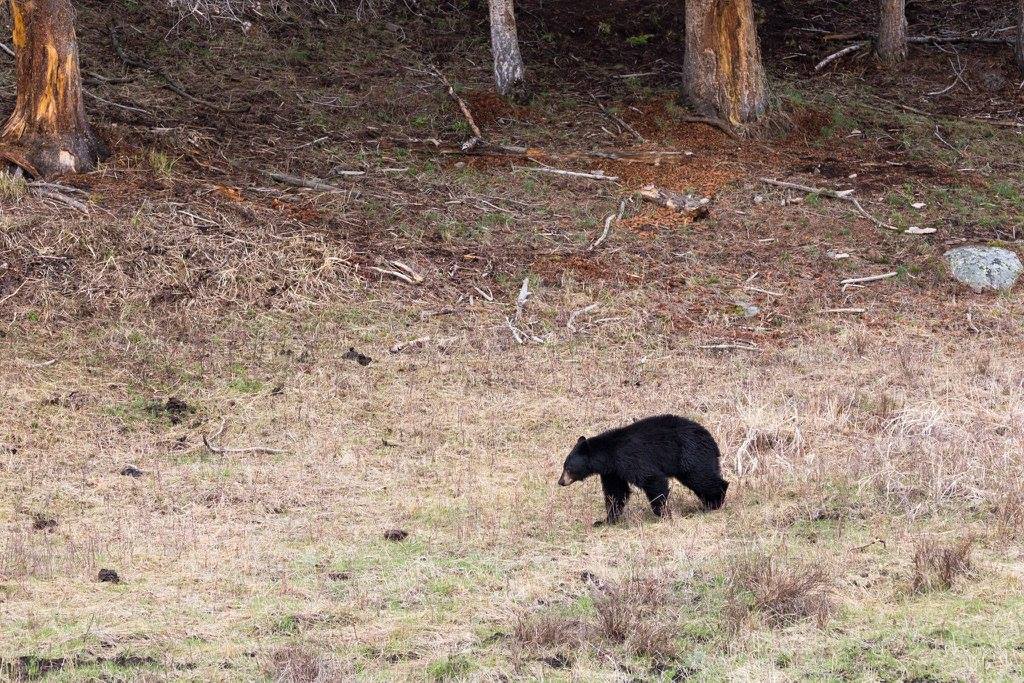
(462, 105)
(844, 195)
(609, 219)
(688, 204)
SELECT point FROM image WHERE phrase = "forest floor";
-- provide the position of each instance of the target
(179, 402)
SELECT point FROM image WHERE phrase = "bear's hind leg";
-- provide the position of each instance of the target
(616, 494)
(656, 489)
(710, 489)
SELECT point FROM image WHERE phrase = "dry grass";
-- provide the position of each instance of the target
(940, 565)
(296, 664)
(781, 591)
(200, 294)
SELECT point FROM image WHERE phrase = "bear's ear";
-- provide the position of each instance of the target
(582, 439)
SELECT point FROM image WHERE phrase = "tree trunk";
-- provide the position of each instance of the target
(47, 134)
(892, 33)
(1020, 34)
(508, 63)
(722, 68)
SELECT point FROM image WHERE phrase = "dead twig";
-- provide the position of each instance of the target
(571, 323)
(402, 272)
(310, 183)
(842, 310)
(593, 175)
(223, 450)
(849, 49)
(609, 219)
(617, 119)
(466, 113)
(726, 346)
(844, 195)
(171, 84)
(55, 195)
(869, 278)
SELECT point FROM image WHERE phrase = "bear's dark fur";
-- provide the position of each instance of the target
(646, 454)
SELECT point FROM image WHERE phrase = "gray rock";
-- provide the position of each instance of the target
(984, 268)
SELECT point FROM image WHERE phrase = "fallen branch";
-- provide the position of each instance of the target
(843, 310)
(571, 323)
(524, 294)
(728, 346)
(171, 84)
(697, 207)
(594, 175)
(869, 278)
(751, 288)
(462, 106)
(849, 49)
(58, 196)
(609, 219)
(617, 119)
(310, 183)
(402, 272)
(222, 450)
(844, 195)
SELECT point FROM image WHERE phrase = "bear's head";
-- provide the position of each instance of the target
(579, 465)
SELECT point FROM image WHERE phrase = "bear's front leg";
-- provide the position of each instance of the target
(656, 489)
(616, 494)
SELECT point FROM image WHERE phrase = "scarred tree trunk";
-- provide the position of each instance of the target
(508, 63)
(892, 33)
(47, 134)
(1020, 34)
(722, 68)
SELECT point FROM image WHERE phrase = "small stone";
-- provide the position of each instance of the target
(919, 205)
(109, 576)
(984, 268)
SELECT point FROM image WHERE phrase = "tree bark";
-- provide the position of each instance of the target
(722, 68)
(1020, 34)
(508, 62)
(891, 48)
(47, 134)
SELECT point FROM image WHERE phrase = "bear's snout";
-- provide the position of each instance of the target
(565, 479)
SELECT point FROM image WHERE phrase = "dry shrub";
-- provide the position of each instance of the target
(631, 612)
(542, 630)
(782, 592)
(296, 664)
(937, 566)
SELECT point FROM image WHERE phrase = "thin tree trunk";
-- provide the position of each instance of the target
(722, 68)
(1020, 34)
(47, 134)
(508, 62)
(892, 33)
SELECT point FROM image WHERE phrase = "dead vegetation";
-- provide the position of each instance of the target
(780, 591)
(939, 565)
(316, 429)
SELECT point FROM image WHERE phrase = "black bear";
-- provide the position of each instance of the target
(645, 454)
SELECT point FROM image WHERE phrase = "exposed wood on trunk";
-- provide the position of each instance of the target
(1020, 34)
(722, 69)
(47, 134)
(891, 47)
(508, 62)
